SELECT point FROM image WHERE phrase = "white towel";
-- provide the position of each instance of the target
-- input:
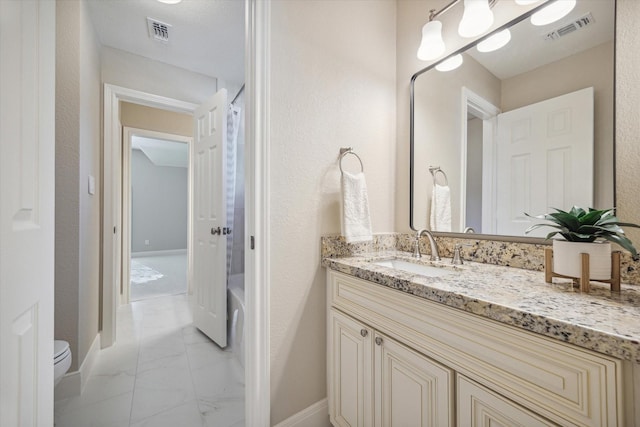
(441, 208)
(356, 223)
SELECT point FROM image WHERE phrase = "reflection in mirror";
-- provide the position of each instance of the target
(520, 129)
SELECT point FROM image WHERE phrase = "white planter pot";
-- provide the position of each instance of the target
(568, 262)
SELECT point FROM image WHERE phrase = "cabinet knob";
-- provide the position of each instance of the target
(378, 341)
(364, 332)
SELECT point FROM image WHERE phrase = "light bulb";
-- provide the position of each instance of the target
(432, 45)
(450, 64)
(477, 18)
(556, 10)
(495, 42)
(526, 2)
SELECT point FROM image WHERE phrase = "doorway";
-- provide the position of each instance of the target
(156, 206)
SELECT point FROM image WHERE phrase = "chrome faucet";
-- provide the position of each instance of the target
(435, 256)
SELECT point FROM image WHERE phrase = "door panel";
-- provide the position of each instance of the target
(350, 368)
(480, 407)
(544, 159)
(209, 268)
(27, 141)
(411, 389)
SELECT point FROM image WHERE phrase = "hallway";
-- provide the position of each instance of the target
(161, 372)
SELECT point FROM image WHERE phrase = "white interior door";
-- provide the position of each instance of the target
(27, 141)
(544, 159)
(209, 219)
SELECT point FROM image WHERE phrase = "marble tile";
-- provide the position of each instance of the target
(161, 346)
(185, 415)
(218, 380)
(112, 412)
(223, 412)
(98, 389)
(206, 353)
(163, 387)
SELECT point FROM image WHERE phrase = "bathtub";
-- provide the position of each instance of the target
(235, 310)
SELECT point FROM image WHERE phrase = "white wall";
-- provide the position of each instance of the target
(136, 72)
(77, 280)
(159, 205)
(332, 85)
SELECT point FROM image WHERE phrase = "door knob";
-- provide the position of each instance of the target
(215, 231)
(364, 332)
(226, 230)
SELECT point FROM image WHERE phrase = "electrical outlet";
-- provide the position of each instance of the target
(146, 242)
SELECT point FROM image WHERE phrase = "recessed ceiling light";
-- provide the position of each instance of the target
(170, 1)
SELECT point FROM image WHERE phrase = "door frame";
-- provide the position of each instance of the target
(485, 110)
(128, 132)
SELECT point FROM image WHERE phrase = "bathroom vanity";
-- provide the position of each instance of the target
(478, 345)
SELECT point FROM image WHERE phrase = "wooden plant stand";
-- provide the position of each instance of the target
(584, 279)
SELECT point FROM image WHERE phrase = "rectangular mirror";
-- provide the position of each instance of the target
(524, 128)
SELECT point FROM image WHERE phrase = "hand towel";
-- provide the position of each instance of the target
(441, 208)
(356, 222)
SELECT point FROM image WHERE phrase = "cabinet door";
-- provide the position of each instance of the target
(411, 389)
(480, 407)
(350, 372)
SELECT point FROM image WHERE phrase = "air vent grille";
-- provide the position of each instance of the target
(158, 31)
(576, 25)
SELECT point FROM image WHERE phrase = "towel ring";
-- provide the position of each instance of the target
(434, 171)
(349, 150)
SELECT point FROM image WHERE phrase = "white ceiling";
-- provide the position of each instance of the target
(528, 48)
(162, 152)
(206, 36)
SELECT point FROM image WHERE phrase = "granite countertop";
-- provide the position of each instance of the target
(603, 321)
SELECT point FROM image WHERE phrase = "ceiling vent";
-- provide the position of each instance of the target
(576, 25)
(158, 31)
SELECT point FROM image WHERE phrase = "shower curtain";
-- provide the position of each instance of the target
(233, 125)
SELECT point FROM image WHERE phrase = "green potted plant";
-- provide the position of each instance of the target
(585, 231)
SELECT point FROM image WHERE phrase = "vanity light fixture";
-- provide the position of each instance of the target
(526, 2)
(432, 45)
(495, 42)
(170, 1)
(555, 11)
(450, 64)
(477, 19)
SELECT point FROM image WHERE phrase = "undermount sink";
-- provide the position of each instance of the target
(409, 267)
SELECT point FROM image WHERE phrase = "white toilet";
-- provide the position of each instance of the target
(61, 360)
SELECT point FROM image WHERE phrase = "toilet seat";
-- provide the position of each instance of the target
(60, 350)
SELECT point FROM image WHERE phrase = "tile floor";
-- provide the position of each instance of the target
(161, 372)
(153, 276)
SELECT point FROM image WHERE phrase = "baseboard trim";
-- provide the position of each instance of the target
(158, 253)
(73, 383)
(316, 415)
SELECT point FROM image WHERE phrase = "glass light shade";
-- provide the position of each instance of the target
(556, 10)
(170, 1)
(432, 45)
(450, 64)
(526, 2)
(477, 18)
(495, 42)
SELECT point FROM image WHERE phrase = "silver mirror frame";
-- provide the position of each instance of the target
(523, 239)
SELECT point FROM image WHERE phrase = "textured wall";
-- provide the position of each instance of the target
(627, 120)
(332, 85)
(136, 72)
(77, 156)
(159, 205)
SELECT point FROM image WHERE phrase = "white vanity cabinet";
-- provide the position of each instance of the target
(376, 381)
(437, 365)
